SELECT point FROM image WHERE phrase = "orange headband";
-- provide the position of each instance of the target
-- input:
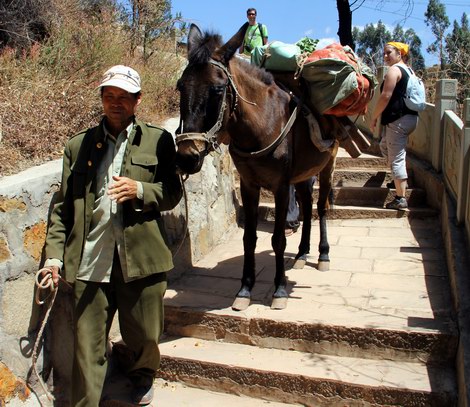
(403, 48)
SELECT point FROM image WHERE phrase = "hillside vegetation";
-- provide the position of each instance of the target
(48, 85)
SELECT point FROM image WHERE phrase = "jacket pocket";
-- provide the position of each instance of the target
(143, 167)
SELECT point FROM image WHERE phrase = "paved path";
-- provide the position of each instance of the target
(384, 273)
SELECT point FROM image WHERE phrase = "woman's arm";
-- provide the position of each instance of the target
(390, 81)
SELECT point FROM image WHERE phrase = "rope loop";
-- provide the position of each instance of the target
(43, 282)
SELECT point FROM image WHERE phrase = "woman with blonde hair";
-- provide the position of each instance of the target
(397, 119)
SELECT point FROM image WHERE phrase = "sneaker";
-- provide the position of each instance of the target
(397, 203)
(390, 185)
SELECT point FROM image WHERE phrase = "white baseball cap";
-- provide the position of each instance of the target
(122, 77)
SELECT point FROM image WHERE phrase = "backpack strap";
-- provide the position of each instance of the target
(404, 109)
(260, 27)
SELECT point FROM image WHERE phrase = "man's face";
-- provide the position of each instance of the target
(118, 105)
(251, 15)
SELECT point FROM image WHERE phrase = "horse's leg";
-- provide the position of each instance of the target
(326, 176)
(250, 199)
(304, 192)
(278, 241)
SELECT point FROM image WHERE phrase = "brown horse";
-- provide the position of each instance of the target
(224, 99)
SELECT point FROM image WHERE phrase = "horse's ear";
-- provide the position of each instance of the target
(194, 38)
(231, 46)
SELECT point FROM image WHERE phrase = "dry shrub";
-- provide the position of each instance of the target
(159, 75)
(49, 92)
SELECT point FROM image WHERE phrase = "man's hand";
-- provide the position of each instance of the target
(54, 270)
(122, 189)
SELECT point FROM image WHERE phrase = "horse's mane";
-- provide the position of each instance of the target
(204, 47)
(255, 72)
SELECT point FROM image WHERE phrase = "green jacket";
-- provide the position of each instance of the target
(149, 158)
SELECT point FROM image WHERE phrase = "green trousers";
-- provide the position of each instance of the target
(140, 310)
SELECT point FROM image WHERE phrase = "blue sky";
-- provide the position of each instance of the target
(290, 21)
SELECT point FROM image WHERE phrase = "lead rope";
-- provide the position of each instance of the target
(42, 284)
(186, 215)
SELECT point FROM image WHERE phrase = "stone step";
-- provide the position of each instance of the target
(364, 161)
(371, 196)
(361, 177)
(266, 211)
(367, 196)
(172, 394)
(386, 294)
(383, 307)
(301, 377)
(436, 344)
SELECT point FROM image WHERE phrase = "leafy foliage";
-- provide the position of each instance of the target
(458, 52)
(371, 42)
(437, 19)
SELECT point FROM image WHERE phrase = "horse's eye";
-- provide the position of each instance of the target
(217, 89)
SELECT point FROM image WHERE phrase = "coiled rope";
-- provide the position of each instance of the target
(44, 283)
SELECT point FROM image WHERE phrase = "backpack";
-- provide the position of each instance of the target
(415, 95)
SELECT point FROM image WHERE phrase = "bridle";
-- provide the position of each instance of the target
(210, 137)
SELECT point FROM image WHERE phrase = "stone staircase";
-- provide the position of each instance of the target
(376, 330)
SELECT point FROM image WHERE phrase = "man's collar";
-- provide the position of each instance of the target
(126, 131)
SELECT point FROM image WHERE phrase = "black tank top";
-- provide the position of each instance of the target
(396, 107)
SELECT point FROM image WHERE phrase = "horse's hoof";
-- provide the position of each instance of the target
(279, 303)
(300, 262)
(241, 303)
(323, 265)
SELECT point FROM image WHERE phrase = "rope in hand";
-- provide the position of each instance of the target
(183, 180)
(44, 282)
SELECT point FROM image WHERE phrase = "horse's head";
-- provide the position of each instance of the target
(206, 96)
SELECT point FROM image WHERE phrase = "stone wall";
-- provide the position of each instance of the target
(25, 202)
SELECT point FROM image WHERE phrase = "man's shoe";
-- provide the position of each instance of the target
(142, 395)
(398, 203)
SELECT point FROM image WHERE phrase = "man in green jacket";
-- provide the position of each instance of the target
(106, 236)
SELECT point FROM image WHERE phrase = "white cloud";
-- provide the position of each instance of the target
(323, 42)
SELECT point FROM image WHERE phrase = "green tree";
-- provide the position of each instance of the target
(370, 43)
(346, 9)
(416, 59)
(437, 19)
(149, 20)
(458, 55)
